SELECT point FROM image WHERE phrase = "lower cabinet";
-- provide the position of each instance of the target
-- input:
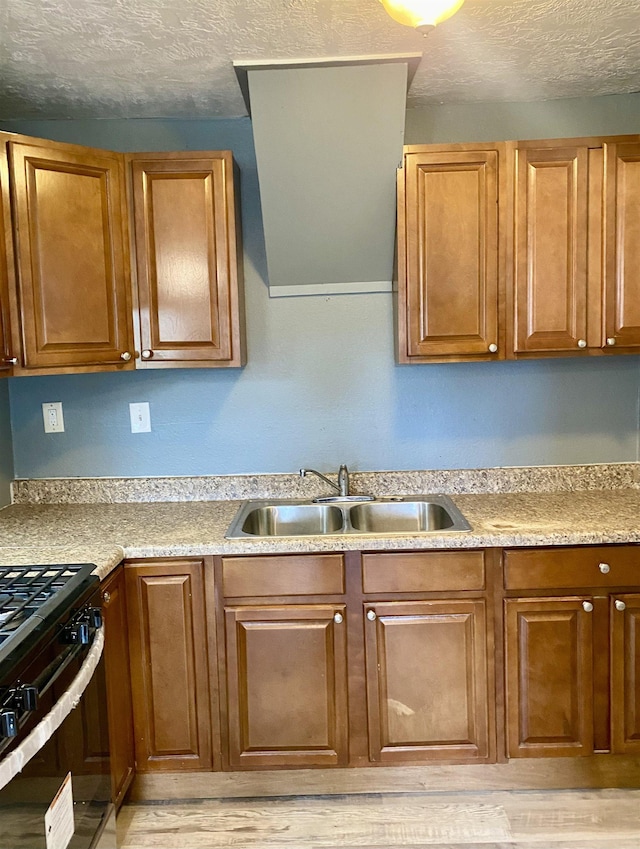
(168, 639)
(427, 692)
(572, 655)
(118, 684)
(283, 674)
(303, 668)
(286, 685)
(83, 740)
(549, 677)
(625, 673)
(328, 660)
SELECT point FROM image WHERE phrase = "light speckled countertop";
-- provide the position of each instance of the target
(105, 533)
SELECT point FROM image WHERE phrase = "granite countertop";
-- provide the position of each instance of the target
(106, 533)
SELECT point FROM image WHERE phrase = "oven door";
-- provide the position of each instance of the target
(69, 744)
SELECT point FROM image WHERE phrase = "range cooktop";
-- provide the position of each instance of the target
(32, 597)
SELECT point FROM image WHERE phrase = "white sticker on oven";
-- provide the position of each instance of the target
(58, 820)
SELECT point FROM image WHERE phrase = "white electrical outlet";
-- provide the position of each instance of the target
(53, 419)
(140, 417)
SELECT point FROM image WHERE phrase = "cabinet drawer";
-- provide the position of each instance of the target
(424, 571)
(595, 566)
(317, 574)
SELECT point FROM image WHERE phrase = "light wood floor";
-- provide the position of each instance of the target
(556, 819)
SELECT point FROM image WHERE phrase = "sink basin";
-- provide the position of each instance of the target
(292, 520)
(410, 517)
(415, 514)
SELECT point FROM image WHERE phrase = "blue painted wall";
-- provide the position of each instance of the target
(6, 450)
(321, 386)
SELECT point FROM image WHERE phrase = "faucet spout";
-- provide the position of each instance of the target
(305, 472)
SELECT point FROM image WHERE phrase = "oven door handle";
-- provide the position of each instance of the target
(16, 760)
(54, 670)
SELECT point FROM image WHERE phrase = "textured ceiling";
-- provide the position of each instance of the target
(173, 58)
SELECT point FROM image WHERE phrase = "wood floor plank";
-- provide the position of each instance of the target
(588, 817)
(318, 823)
(603, 819)
(580, 844)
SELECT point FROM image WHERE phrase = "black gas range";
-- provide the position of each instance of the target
(42, 614)
(53, 721)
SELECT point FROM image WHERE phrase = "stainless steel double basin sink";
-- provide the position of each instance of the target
(411, 514)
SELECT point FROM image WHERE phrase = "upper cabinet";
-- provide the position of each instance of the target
(551, 213)
(68, 275)
(566, 219)
(7, 359)
(576, 209)
(187, 256)
(450, 253)
(73, 305)
(621, 324)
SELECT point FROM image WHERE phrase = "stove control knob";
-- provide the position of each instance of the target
(95, 617)
(8, 723)
(91, 617)
(76, 634)
(25, 698)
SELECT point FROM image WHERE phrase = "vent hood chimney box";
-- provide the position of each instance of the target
(328, 139)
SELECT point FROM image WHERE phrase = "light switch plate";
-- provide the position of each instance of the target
(53, 418)
(140, 417)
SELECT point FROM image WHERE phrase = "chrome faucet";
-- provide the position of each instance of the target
(342, 487)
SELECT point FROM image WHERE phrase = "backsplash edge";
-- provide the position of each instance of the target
(601, 476)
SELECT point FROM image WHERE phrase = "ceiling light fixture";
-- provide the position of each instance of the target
(422, 15)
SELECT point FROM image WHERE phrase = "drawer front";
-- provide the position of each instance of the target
(317, 574)
(594, 566)
(423, 572)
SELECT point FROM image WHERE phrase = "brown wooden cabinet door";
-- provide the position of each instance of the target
(71, 256)
(449, 254)
(625, 674)
(83, 739)
(551, 248)
(118, 685)
(187, 259)
(427, 680)
(286, 685)
(169, 665)
(622, 244)
(6, 260)
(549, 677)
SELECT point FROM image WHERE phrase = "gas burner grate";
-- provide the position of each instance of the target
(25, 589)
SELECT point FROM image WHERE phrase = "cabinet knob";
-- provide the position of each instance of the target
(106, 597)
(611, 340)
(126, 356)
(493, 347)
(146, 354)
(582, 343)
(337, 618)
(604, 568)
(11, 361)
(620, 605)
(587, 606)
(371, 615)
